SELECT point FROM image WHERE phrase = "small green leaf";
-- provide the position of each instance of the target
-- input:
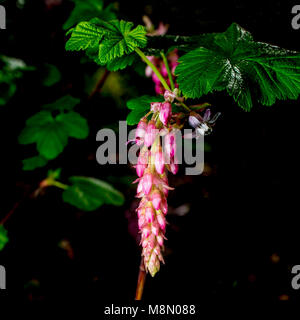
(34, 162)
(51, 133)
(3, 237)
(54, 174)
(140, 106)
(64, 103)
(48, 133)
(53, 75)
(75, 125)
(246, 69)
(89, 193)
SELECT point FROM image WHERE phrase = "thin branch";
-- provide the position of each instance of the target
(141, 281)
(100, 83)
(155, 70)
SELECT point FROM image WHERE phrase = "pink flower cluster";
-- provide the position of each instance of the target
(172, 61)
(153, 185)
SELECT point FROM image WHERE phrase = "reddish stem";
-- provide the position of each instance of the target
(99, 84)
(141, 282)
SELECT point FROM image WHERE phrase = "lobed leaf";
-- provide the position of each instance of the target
(75, 125)
(107, 41)
(89, 193)
(84, 35)
(246, 69)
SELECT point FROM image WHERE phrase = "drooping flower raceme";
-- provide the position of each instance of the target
(153, 185)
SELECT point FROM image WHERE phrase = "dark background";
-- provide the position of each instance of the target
(243, 209)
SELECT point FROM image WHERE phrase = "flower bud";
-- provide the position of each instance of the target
(147, 181)
(165, 113)
(164, 206)
(160, 240)
(159, 162)
(146, 232)
(151, 133)
(155, 106)
(142, 162)
(170, 144)
(140, 132)
(155, 228)
(173, 167)
(159, 89)
(156, 199)
(149, 214)
(148, 72)
(169, 96)
(161, 221)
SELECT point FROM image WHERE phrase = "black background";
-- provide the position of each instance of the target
(242, 213)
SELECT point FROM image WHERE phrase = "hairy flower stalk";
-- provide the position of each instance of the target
(153, 185)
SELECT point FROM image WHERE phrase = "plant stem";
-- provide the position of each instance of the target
(141, 282)
(100, 83)
(185, 106)
(58, 184)
(152, 66)
(168, 70)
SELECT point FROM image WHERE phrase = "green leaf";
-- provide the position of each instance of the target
(34, 162)
(121, 42)
(74, 124)
(54, 174)
(3, 237)
(49, 134)
(246, 69)
(89, 194)
(109, 39)
(87, 9)
(53, 75)
(140, 106)
(121, 63)
(84, 35)
(64, 103)
(51, 139)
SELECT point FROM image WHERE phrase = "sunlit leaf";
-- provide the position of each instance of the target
(110, 40)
